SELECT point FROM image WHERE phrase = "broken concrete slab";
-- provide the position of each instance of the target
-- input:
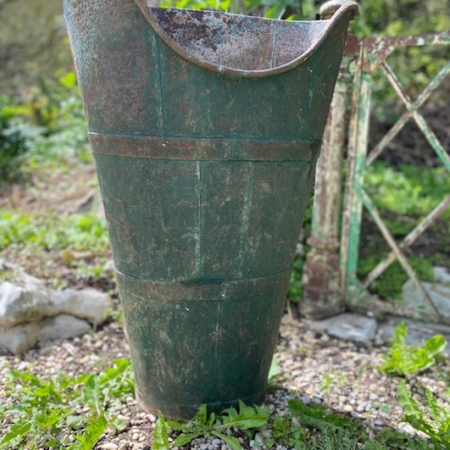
(348, 326)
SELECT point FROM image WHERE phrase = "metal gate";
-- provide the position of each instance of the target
(372, 54)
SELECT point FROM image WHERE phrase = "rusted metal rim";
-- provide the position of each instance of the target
(350, 9)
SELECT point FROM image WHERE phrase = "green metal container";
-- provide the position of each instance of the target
(206, 129)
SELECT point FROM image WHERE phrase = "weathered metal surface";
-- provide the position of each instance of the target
(322, 295)
(241, 45)
(358, 135)
(380, 48)
(205, 167)
(372, 55)
(413, 106)
(330, 8)
(202, 149)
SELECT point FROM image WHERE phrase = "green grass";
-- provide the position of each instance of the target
(51, 246)
(51, 232)
(40, 409)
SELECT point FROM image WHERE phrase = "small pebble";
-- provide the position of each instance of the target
(109, 446)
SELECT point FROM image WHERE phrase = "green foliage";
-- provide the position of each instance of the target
(312, 427)
(406, 359)
(271, 9)
(316, 416)
(295, 290)
(411, 191)
(389, 284)
(51, 125)
(287, 434)
(14, 138)
(432, 418)
(247, 418)
(42, 411)
(160, 436)
(404, 17)
(76, 232)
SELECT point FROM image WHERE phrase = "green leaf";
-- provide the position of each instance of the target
(75, 422)
(47, 419)
(160, 436)
(274, 370)
(92, 433)
(435, 344)
(247, 417)
(406, 359)
(17, 431)
(174, 425)
(201, 416)
(315, 415)
(231, 441)
(184, 439)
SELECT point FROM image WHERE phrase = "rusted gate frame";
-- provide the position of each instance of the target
(372, 53)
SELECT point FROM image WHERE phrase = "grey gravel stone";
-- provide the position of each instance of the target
(348, 326)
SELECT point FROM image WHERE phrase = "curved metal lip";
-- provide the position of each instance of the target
(348, 8)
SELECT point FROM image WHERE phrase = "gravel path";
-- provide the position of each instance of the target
(314, 368)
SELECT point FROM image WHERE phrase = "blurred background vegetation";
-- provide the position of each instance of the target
(42, 121)
(38, 94)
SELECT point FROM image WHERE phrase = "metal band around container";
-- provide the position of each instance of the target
(202, 149)
(200, 290)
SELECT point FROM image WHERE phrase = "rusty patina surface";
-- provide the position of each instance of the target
(205, 145)
(322, 295)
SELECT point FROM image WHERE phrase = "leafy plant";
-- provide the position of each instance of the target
(411, 190)
(15, 138)
(317, 416)
(45, 412)
(433, 420)
(247, 418)
(287, 434)
(77, 232)
(405, 359)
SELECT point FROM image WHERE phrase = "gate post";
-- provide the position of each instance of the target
(322, 294)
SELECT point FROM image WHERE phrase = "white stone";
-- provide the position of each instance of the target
(109, 446)
(352, 327)
(86, 304)
(22, 337)
(27, 299)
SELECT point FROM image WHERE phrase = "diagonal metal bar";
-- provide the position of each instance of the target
(432, 139)
(414, 106)
(394, 246)
(407, 242)
(421, 123)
